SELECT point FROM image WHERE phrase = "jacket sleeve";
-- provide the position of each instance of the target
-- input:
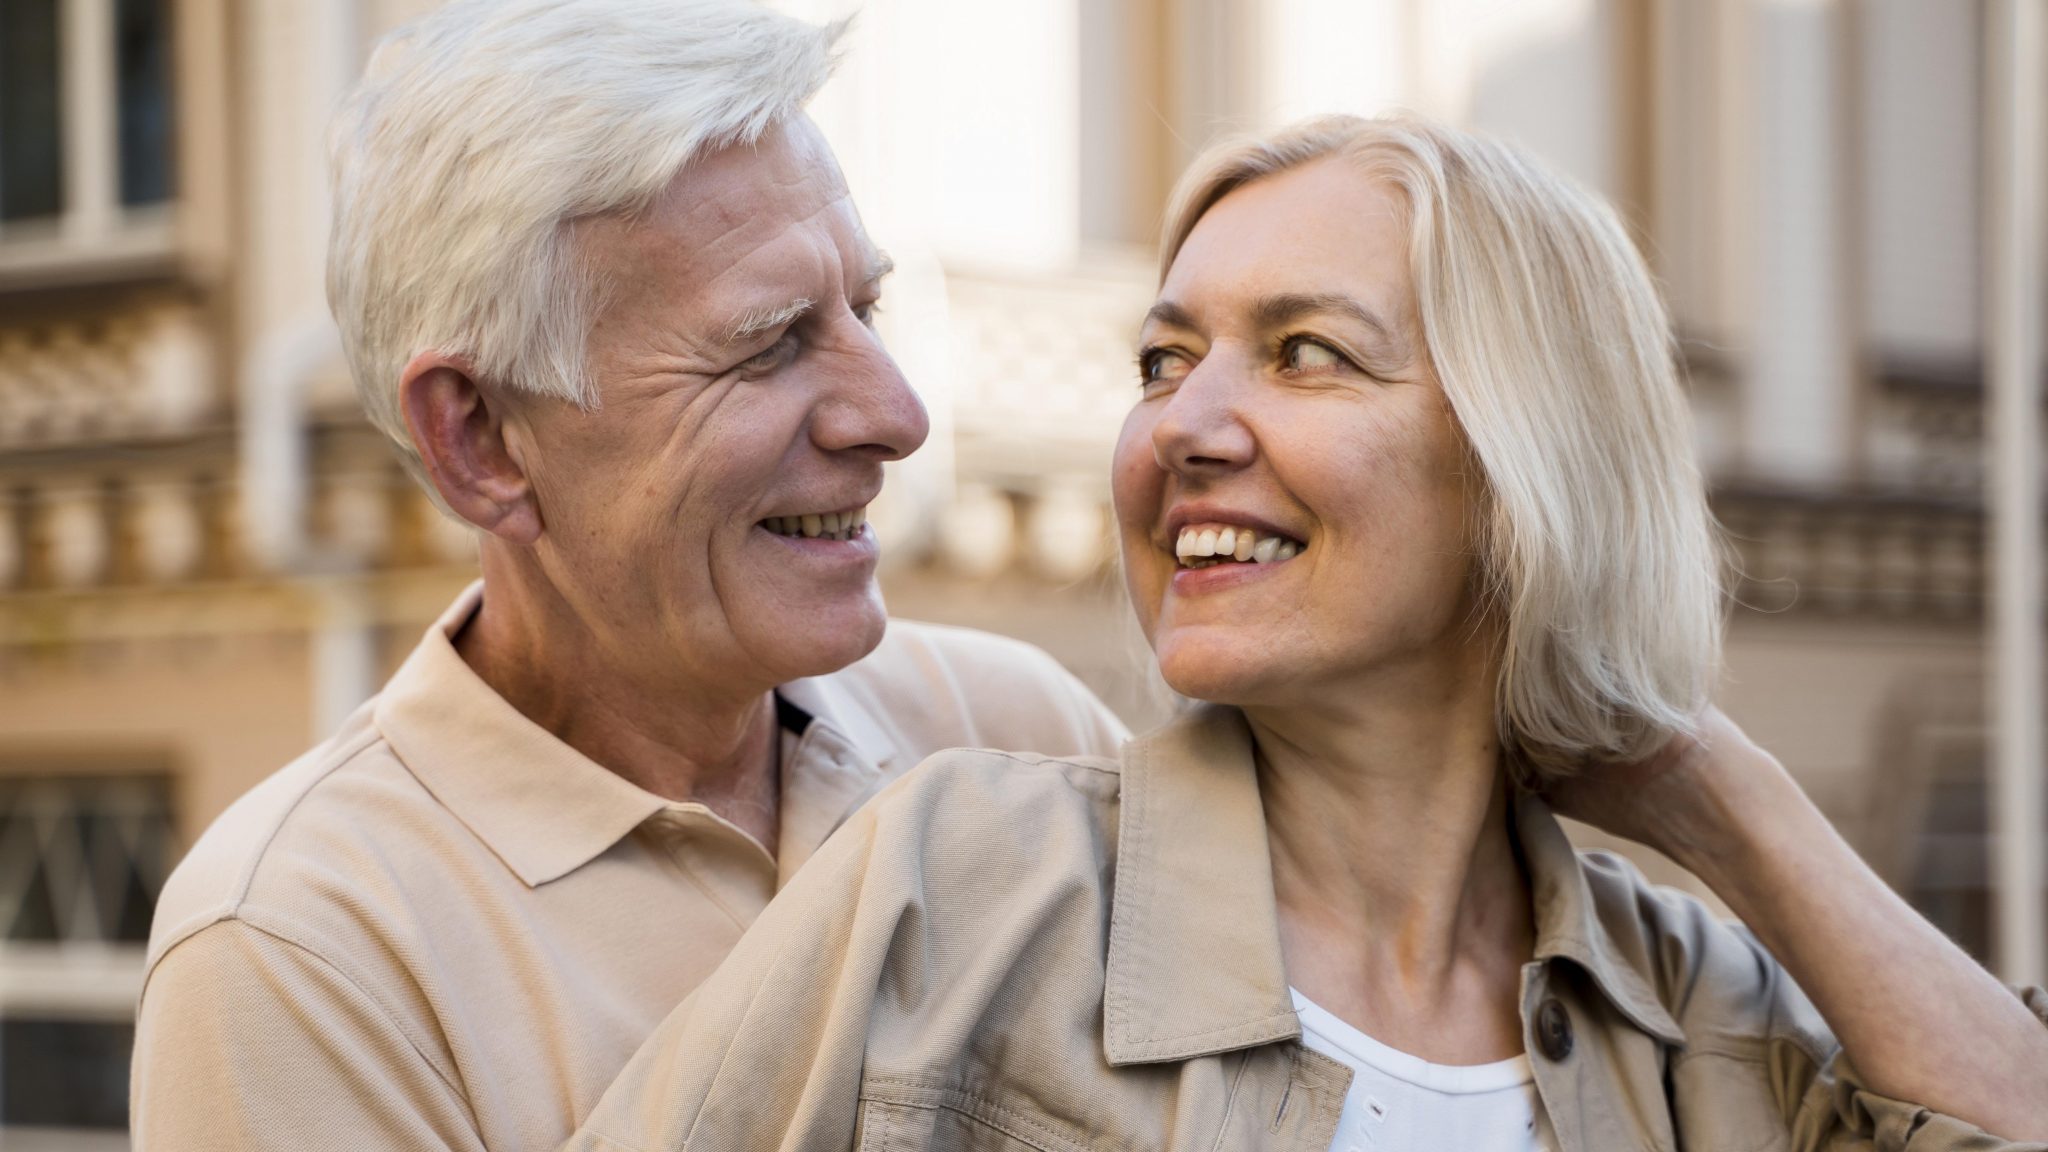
(1830, 1110)
(1758, 1067)
(1761, 1068)
(248, 1040)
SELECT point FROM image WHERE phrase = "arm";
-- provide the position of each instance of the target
(247, 1041)
(766, 1053)
(1917, 1018)
(974, 888)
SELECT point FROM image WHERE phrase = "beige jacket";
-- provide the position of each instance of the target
(1018, 952)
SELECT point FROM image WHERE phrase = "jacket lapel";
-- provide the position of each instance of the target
(1194, 948)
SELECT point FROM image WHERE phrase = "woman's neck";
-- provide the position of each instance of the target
(1403, 908)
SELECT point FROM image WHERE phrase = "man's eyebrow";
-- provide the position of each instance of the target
(756, 321)
(1287, 307)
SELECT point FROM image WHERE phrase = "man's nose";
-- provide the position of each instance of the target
(872, 409)
(1199, 432)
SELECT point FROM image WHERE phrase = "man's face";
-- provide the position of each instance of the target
(745, 408)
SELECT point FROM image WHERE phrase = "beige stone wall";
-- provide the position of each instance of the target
(218, 714)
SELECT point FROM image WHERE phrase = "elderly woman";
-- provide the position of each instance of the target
(1407, 499)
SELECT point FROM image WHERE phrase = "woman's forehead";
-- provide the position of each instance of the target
(1323, 228)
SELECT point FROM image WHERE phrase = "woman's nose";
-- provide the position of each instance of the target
(1200, 430)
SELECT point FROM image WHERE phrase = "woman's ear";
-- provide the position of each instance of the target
(460, 432)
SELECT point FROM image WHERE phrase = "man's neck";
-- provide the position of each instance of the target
(719, 748)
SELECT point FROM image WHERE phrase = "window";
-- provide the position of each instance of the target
(31, 164)
(86, 132)
(82, 859)
(143, 71)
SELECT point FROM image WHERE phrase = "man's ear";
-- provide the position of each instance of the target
(460, 433)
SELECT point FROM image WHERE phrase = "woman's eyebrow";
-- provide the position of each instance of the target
(1170, 314)
(1288, 307)
(1285, 308)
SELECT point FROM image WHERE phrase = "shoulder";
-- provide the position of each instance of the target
(971, 786)
(295, 844)
(974, 865)
(973, 833)
(941, 686)
(962, 661)
(1720, 985)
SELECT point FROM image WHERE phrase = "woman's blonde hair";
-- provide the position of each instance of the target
(1555, 352)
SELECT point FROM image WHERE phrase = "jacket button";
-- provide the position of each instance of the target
(1554, 1030)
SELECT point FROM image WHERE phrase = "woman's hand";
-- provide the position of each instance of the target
(1690, 799)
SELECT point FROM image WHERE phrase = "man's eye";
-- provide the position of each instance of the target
(771, 358)
(866, 313)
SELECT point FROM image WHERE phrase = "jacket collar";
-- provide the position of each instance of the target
(1191, 838)
(1184, 982)
(1586, 913)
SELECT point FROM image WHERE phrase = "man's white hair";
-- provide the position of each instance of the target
(1554, 349)
(482, 132)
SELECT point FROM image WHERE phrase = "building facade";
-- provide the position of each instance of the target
(207, 558)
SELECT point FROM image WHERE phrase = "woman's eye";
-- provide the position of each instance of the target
(1161, 366)
(1310, 356)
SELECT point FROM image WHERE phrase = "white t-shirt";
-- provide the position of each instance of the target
(1401, 1103)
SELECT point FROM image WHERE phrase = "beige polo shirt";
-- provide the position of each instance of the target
(444, 928)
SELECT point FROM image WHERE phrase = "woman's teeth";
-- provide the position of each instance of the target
(1201, 546)
(829, 525)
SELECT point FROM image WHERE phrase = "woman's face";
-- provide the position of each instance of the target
(1286, 394)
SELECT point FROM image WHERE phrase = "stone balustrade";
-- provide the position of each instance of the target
(136, 374)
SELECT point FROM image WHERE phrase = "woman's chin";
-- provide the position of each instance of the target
(1216, 677)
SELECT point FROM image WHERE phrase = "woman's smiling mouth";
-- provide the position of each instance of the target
(1207, 545)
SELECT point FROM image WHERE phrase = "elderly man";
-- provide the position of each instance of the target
(601, 282)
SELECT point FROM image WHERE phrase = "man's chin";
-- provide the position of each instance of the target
(819, 643)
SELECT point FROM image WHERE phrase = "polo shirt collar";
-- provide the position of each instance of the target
(546, 809)
(1183, 981)
(842, 757)
(827, 701)
(542, 807)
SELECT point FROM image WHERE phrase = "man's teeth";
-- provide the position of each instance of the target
(830, 525)
(1202, 545)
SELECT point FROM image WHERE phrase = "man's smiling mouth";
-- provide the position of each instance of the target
(1207, 545)
(820, 525)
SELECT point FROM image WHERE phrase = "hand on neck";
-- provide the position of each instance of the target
(639, 714)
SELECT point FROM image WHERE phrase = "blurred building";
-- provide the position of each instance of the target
(207, 557)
